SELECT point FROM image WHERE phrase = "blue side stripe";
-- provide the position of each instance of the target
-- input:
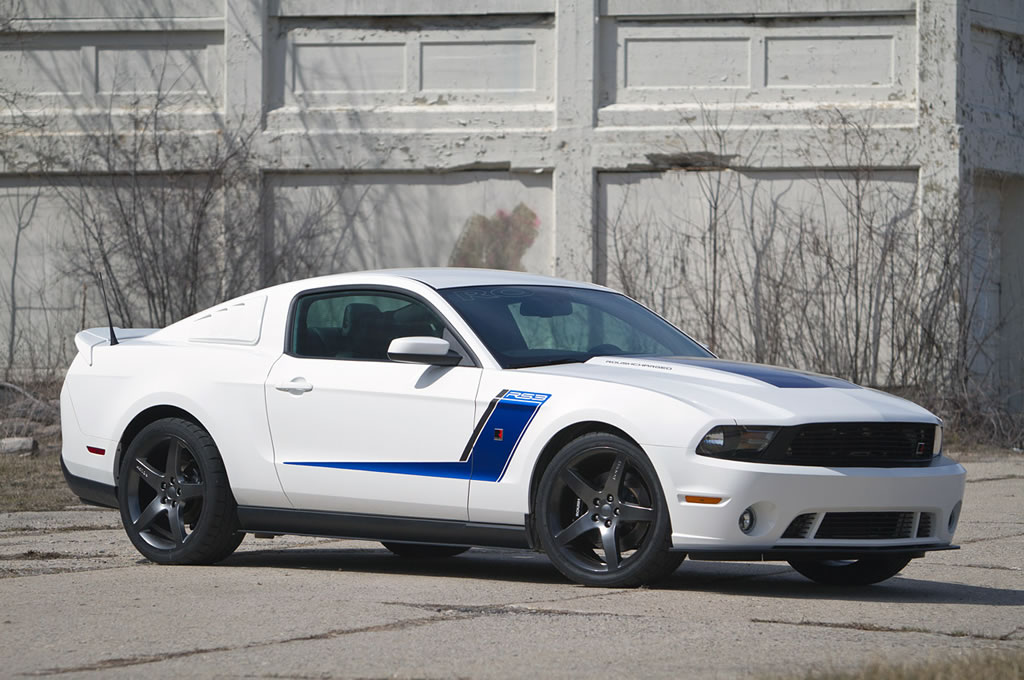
(456, 470)
(512, 416)
(489, 457)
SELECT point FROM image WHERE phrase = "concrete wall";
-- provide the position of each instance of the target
(993, 170)
(412, 124)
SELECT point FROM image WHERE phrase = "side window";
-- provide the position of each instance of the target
(359, 324)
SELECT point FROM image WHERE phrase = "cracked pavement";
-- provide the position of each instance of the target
(76, 600)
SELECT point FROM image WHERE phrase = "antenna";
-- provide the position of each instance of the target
(103, 292)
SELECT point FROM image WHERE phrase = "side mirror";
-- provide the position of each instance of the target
(423, 350)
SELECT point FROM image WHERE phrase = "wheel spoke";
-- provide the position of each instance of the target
(611, 548)
(189, 490)
(635, 513)
(580, 487)
(581, 526)
(177, 522)
(614, 483)
(173, 460)
(148, 474)
(148, 515)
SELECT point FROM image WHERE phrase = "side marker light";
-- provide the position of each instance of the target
(94, 449)
(704, 500)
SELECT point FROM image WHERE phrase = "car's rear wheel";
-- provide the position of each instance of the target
(424, 550)
(176, 504)
(850, 572)
(601, 516)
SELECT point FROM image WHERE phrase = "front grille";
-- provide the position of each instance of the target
(800, 527)
(924, 526)
(866, 525)
(853, 445)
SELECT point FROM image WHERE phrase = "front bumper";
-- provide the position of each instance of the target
(928, 497)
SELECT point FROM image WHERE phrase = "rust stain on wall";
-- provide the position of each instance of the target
(496, 242)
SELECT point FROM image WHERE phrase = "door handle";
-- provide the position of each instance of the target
(295, 385)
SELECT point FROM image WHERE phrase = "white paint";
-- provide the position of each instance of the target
(238, 322)
(268, 410)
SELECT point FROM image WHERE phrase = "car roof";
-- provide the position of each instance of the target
(438, 278)
(456, 277)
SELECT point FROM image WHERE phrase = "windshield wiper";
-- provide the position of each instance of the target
(556, 362)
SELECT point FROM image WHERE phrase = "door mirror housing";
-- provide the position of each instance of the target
(423, 350)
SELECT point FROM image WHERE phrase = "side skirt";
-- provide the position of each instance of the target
(380, 527)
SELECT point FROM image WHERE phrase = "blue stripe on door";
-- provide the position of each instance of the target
(512, 415)
(492, 450)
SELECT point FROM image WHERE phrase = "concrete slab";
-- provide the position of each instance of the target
(78, 601)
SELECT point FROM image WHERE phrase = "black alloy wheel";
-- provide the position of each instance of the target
(424, 550)
(601, 515)
(176, 504)
(862, 572)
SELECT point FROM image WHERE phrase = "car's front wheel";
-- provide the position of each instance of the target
(600, 514)
(176, 504)
(850, 572)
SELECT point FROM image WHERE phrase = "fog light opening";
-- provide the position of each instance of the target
(747, 520)
(954, 517)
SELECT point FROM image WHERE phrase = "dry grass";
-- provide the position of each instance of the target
(34, 483)
(965, 452)
(973, 665)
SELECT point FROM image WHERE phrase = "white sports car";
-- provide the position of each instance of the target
(437, 409)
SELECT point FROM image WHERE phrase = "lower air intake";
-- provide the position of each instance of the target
(866, 525)
(800, 527)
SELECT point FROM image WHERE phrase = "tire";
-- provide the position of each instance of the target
(424, 550)
(600, 514)
(862, 572)
(176, 503)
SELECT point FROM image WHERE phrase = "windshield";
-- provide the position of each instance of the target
(543, 325)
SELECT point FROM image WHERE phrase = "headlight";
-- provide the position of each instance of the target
(937, 447)
(732, 441)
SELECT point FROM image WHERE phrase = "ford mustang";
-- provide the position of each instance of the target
(438, 409)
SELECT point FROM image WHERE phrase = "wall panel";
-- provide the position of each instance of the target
(85, 71)
(427, 73)
(375, 220)
(656, 71)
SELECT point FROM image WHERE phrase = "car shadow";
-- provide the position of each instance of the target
(491, 564)
(778, 580)
(766, 579)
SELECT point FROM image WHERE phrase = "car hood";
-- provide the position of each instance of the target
(748, 392)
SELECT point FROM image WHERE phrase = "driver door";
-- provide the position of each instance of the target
(355, 432)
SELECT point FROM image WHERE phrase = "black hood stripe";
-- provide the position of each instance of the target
(779, 377)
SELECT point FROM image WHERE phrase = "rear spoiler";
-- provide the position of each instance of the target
(91, 338)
